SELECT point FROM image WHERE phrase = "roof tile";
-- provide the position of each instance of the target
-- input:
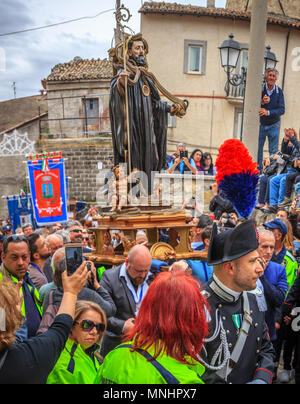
(81, 69)
(182, 9)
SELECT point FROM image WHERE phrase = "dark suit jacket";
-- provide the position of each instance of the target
(125, 305)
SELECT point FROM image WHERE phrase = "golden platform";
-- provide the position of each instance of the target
(132, 220)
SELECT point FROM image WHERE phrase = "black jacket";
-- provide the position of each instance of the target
(219, 204)
(293, 298)
(30, 362)
(99, 296)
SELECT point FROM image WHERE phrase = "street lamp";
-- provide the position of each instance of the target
(270, 59)
(230, 52)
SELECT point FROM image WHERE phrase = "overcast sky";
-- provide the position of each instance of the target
(28, 57)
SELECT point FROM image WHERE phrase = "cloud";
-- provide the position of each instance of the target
(14, 15)
(28, 58)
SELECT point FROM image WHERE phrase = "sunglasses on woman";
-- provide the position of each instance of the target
(88, 325)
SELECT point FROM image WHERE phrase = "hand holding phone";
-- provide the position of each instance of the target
(74, 257)
(183, 153)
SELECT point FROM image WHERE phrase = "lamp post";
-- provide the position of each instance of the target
(270, 59)
(230, 51)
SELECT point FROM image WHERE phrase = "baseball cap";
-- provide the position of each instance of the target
(6, 228)
(277, 224)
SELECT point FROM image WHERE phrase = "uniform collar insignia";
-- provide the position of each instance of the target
(223, 291)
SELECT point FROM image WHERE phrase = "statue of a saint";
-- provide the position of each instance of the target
(142, 124)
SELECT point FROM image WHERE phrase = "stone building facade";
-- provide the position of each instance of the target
(86, 162)
(78, 95)
(185, 57)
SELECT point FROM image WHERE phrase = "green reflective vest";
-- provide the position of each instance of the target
(100, 271)
(34, 292)
(121, 366)
(291, 267)
(74, 366)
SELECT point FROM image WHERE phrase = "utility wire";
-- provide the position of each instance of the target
(56, 24)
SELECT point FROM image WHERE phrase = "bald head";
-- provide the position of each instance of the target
(138, 264)
(139, 252)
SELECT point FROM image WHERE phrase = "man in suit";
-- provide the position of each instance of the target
(127, 286)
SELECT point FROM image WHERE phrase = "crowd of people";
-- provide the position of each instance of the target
(229, 317)
(102, 328)
(280, 175)
(197, 163)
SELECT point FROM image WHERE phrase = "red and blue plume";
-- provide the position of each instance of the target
(237, 176)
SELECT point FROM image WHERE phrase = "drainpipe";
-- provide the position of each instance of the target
(285, 56)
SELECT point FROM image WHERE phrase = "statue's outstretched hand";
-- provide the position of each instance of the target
(178, 110)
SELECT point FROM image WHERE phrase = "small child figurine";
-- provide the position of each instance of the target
(118, 189)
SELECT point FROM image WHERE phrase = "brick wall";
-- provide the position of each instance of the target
(82, 157)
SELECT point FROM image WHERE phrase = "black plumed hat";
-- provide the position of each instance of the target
(231, 244)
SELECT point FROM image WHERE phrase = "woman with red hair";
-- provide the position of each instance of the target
(168, 334)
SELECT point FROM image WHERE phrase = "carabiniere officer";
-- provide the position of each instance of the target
(238, 349)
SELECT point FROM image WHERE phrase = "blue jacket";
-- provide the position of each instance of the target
(182, 167)
(201, 270)
(274, 282)
(276, 106)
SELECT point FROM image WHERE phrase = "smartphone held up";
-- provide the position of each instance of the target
(74, 257)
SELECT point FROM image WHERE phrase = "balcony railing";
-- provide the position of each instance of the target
(235, 91)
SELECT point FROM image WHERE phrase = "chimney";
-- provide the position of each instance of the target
(211, 4)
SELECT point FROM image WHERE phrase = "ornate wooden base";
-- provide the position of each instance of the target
(151, 221)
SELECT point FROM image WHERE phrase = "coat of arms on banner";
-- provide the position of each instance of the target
(20, 210)
(48, 188)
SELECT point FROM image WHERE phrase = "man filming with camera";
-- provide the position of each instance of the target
(180, 162)
(277, 181)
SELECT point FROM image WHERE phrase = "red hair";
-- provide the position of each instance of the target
(171, 318)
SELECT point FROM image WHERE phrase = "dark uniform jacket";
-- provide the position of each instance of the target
(117, 288)
(256, 359)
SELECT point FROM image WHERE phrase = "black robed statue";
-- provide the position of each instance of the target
(141, 142)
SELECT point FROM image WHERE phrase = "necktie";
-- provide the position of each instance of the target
(32, 314)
